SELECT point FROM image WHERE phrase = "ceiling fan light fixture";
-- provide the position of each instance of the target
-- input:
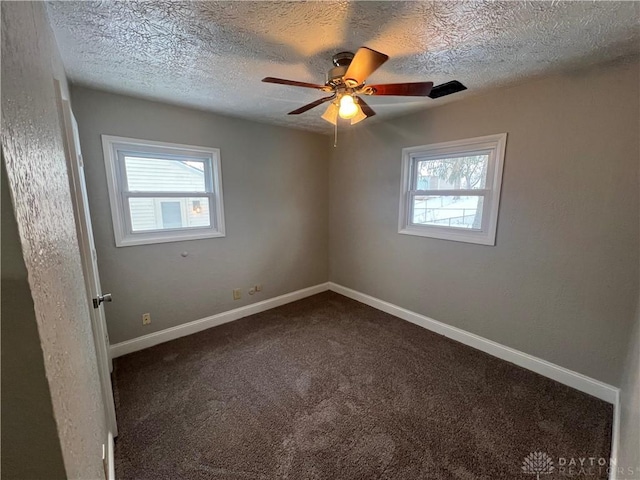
(331, 113)
(348, 107)
(358, 117)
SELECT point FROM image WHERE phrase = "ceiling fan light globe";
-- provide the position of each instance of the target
(358, 117)
(331, 114)
(348, 107)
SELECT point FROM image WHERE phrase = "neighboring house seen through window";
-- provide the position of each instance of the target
(162, 192)
(451, 190)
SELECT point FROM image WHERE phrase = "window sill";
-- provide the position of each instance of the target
(166, 238)
(477, 237)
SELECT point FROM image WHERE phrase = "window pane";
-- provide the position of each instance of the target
(160, 175)
(168, 213)
(448, 211)
(460, 173)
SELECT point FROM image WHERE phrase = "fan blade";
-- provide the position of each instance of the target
(447, 89)
(311, 105)
(417, 89)
(293, 83)
(364, 63)
(366, 109)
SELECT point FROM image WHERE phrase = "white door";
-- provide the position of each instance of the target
(95, 297)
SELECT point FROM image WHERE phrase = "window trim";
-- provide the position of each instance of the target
(494, 145)
(112, 146)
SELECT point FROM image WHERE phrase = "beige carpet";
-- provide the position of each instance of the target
(328, 388)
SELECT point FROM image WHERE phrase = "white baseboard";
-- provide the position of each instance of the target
(560, 374)
(146, 341)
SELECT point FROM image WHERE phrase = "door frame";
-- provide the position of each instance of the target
(89, 263)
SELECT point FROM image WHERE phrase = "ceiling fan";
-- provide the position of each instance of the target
(346, 83)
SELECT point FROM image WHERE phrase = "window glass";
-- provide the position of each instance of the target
(163, 175)
(448, 211)
(458, 173)
(157, 213)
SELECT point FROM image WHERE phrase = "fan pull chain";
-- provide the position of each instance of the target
(335, 136)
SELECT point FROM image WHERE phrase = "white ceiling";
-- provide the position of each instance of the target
(212, 55)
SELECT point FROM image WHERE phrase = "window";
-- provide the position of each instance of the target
(162, 192)
(452, 190)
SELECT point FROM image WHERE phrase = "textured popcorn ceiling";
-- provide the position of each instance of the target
(212, 55)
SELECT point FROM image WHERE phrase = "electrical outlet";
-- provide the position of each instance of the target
(258, 287)
(237, 294)
(146, 318)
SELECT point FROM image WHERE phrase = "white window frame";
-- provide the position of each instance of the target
(494, 146)
(113, 148)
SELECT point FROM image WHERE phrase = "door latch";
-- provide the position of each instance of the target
(102, 298)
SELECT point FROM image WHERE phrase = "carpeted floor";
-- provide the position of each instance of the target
(328, 388)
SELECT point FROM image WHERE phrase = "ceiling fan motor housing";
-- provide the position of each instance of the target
(341, 61)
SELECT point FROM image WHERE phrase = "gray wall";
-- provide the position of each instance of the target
(28, 424)
(37, 178)
(276, 215)
(562, 281)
